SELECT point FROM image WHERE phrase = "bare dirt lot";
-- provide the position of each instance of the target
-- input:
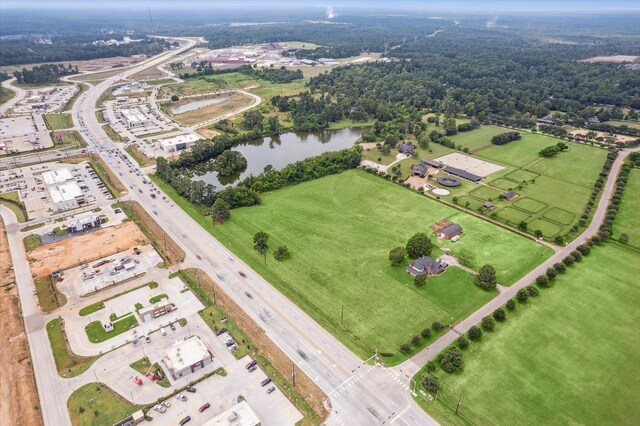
(615, 59)
(18, 396)
(207, 133)
(620, 138)
(84, 248)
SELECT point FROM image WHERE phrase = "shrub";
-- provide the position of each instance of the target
(405, 348)
(415, 340)
(577, 256)
(420, 280)
(551, 274)
(560, 268)
(623, 238)
(522, 295)
(542, 281)
(486, 278)
(430, 383)
(463, 343)
(511, 304)
(569, 260)
(499, 315)
(431, 366)
(437, 326)
(426, 333)
(532, 291)
(488, 324)
(452, 360)
(474, 333)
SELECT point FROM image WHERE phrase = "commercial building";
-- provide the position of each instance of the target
(178, 143)
(56, 177)
(84, 221)
(134, 118)
(151, 312)
(240, 414)
(187, 356)
(67, 196)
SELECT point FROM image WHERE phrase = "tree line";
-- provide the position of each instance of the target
(45, 73)
(279, 75)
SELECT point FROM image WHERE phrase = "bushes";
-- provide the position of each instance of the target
(499, 315)
(452, 360)
(463, 343)
(397, 256)
(511, 304)
(488, 324)
(505, 138)
(437, 326)
(474, 333)
(430, 383)
(420, 280)
(415, 340)
(405, 348)
(532, 291)
(560, 268)
(542, 281)
(486, 278)
(426, 333)
(522, 295)
(551, 274)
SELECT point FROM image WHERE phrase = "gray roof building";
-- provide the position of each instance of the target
(407, 148)
(462, 173)
(449, 231)
(425, 265)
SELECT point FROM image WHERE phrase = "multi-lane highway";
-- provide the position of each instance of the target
(359, 394)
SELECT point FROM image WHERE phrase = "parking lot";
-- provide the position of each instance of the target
(46, 99)
(23, 133)
(157, 123)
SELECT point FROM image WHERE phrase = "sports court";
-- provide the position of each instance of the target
(469, 164)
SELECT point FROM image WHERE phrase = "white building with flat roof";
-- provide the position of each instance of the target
(240, 414)
(178, 143)
(134, 118)
(67, 196)
(56, 177)
(187, 356)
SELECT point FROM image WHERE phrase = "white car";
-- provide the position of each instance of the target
(160, 408)
(166, 403)
(181, 397)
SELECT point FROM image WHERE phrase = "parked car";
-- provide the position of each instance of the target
(163, 331)
(181, 397)
(166, 403)
(251, 364)
(266, 381)
(242, 274)
(136, 250)
(172, 327)
(204, 407)
(221, 331)
(252, 368)
(271, 389)
(191, 389)
(185, 420)
(160, 408)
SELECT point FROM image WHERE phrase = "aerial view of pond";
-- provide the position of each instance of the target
(197, 104)
(278, 152)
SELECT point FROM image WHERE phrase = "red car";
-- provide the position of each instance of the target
(204, 407)
(251, 364)
(242, 274)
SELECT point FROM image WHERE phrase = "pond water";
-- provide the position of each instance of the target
(278, 152)
(197, 104)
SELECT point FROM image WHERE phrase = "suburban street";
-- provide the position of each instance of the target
(360, 394)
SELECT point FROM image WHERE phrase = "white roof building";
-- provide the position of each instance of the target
(135, 118)
(178, 143)
(67, 196)
(55, 177)
(187, 356)
(240, 414)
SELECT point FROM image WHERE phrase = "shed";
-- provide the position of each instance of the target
(449, 231)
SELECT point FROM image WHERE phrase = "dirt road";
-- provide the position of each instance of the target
(18, 396)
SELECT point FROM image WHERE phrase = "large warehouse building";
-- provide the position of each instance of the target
(187, 356)
(240, 414)
(56, 177)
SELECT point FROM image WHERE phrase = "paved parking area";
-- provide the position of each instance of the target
(50, 99)
(24, 133)
(74, 286)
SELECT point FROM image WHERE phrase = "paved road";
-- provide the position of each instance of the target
(20, 94)
(359, 395)
(411, 366)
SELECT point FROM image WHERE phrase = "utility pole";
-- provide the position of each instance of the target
(459, 402)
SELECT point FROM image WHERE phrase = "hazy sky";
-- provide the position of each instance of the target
(351, 5)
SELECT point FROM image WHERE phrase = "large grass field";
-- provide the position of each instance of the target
(263, 88)
(339, 230)
(628, 217)
(477, 138)
(568, 357)
(58, 121)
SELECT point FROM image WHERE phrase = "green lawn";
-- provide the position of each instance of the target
(157, 298)
(628, 217)
(58, 121)
(68, 364)
(89, 309)
(339, 230)
(631, 124)
(477, 138)
(559, 215)
(107, 408)
(6, 95)
(568, 357)
(97, 334)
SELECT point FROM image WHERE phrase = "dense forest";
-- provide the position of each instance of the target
(279, 75)
(29, 50)
(46, 73)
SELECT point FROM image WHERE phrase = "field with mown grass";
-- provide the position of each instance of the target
(339, 230)
(569, 356)
(628, 217)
